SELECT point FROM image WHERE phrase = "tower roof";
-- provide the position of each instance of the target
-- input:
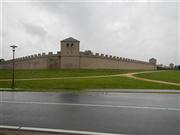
(70, 39)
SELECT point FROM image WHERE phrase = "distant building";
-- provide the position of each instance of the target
(70, 57)
(177, 67)
(171, 66)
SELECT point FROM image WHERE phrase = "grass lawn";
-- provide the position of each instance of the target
(7, 74)
(168, 76)
(77, 84)
(11, 133)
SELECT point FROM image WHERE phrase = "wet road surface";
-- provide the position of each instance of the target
(123, 113)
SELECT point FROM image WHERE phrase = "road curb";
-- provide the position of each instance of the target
(135, 91)
(98, 90)
(60, 131)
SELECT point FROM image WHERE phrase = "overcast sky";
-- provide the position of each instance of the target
(137, 30)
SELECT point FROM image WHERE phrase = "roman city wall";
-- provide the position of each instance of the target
(101, 61)
(36, 61)
(70, 57)
(97, 61)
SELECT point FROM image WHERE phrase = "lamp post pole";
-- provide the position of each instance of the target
(13, 49)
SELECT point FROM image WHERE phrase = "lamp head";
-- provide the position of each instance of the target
(13, 47)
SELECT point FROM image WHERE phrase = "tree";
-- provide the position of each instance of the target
(88, 52)
(2, 60)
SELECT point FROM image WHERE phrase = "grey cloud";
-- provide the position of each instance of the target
(134, 30)
(34, 30)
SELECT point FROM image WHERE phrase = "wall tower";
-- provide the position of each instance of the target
(154, 62)
(70, 53)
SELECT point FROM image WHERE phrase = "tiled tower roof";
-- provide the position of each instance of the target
(70, 39)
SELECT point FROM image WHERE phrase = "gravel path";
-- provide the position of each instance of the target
(131, 75)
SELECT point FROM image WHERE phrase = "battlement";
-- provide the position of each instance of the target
(105, 56)
(36, 56)
(71, 57)
(82, 54)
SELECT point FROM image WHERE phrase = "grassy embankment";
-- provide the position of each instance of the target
(76, 84)
(23, 74)
(168, 76)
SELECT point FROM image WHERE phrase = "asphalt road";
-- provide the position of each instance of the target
(122, 113)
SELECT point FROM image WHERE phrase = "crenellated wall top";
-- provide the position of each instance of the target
(36, 56)
(82, 54)
(105, 56)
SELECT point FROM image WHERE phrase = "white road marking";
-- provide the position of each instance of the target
(55, 130)
(9, 127)
(92, 105)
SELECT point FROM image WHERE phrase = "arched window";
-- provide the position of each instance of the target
(67, 44)
(72, 45)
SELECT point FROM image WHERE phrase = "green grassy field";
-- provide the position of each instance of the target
(168, 76)
(77, 84)
(7, 74)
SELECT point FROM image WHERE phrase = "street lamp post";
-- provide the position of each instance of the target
(13, 49)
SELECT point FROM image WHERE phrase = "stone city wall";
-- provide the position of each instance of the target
(36, 61)
(85, 61)
(69, 62)
(99, 61)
